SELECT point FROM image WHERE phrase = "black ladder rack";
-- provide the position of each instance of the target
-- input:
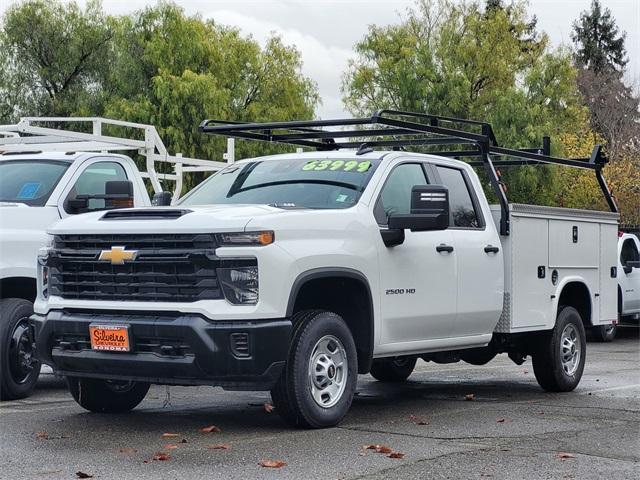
(398, 129)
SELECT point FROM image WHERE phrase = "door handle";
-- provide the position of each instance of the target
(444, 248)
(491, 249)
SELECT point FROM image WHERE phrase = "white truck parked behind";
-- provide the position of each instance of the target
(293, 273)
(47, 174)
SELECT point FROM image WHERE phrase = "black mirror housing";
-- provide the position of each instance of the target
(161, 199)
(429, 210)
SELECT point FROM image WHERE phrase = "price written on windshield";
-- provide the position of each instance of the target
(340, 165)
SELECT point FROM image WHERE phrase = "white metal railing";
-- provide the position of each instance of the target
(26, 135)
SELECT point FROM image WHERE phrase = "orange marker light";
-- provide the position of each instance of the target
(265, 238)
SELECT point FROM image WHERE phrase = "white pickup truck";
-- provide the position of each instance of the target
(293, 273)
(46, 175)
(628, 286)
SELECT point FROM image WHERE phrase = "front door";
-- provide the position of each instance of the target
(418, 277)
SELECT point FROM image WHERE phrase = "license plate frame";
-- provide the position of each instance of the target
(110, 338)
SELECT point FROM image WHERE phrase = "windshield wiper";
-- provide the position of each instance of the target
(287, 206)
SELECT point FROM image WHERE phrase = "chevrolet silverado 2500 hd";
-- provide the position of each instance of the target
(47, 174)
(293, 273)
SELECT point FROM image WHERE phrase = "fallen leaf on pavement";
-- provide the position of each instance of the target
(268, 407)
(418, 420)
(469, 397)
(564, 455)
(170, 446)
(500, 420)
(42, 436)
(184, 440)
(272, 463)
(83, 475)
(379, 448)
(161, 456)
(220, 446)
(167, 435)
(210, 429)
(396, 455)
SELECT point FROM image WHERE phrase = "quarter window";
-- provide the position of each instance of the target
(396, 193)
(463, 212)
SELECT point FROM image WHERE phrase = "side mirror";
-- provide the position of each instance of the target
(161, 199)
(118, 194)
(429, 211)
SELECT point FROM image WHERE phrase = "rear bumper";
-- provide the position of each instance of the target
(167, 349)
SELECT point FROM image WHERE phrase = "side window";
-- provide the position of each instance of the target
(396, 194)
(463, 212)
(92, 182)
(629, 252)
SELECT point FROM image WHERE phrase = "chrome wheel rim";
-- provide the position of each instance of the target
(328, 370)
(570, 349)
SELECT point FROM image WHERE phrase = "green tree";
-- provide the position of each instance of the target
(53, 56)
(188, 69)
(599, 43)
(464, 61)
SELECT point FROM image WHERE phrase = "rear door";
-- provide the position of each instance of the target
(418, 283)
(479, 266)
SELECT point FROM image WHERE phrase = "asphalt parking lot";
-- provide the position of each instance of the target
(510, 429)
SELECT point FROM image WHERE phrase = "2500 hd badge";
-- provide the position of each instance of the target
(400, 291)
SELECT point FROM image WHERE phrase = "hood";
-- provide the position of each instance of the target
(178, 219)
(18, 216)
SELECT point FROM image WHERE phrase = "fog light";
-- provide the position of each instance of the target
(240, 285)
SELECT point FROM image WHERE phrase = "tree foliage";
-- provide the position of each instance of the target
(53, 56)
(157, 66)
(460, 60)
(600, 45)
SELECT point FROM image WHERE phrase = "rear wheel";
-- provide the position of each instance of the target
(558, 362)
(317, 384)
(394, 369)
(604, 333)
(19, 369)
(107, 396)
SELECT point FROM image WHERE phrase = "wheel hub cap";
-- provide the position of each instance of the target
(328, 371)
(570, 349)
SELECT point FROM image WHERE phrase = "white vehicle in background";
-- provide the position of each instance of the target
(628, 286)
(49, 174)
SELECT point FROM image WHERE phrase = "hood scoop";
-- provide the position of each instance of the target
(145, 214)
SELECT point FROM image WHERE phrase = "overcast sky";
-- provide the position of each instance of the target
(325, 30)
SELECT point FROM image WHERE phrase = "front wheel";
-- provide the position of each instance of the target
(558, 362)
(107, 396)
(604, 333)
(319, 379)
(394, 369)
(19, 369)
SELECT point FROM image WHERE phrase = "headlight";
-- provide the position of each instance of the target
(239, 239)
(240, 284)
(43, 273)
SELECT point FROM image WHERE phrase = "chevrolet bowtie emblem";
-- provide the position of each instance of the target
(118, 255)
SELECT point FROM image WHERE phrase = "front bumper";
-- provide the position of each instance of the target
(169, 349)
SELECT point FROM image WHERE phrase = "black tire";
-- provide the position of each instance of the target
(19, 369)
(107, 396)
(292, 395)
(604, 333)
(393, 369)
(554, 374)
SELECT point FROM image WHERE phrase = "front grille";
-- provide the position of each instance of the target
(168, 267)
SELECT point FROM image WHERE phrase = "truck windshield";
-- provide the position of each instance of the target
(29, 181)
(287, 183)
